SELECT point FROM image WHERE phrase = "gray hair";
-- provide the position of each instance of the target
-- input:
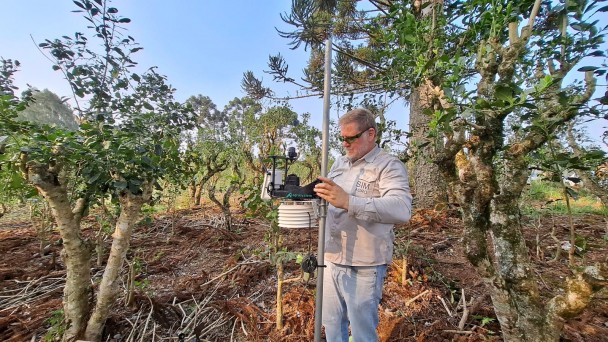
(362, 117)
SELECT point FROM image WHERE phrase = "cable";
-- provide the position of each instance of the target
(309, 263)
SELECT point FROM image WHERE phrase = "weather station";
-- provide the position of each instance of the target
(299, 207)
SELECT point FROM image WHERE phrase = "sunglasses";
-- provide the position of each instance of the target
(352, 139)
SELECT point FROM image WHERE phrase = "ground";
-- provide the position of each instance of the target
(192, 277)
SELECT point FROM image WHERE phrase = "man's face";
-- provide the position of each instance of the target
(357, 142)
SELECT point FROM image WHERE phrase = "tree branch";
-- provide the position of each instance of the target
(527, 31)
(79, 209)
(341, 50)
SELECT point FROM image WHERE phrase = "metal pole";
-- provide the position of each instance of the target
(323, 208)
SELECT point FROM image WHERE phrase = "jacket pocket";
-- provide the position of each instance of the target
(366, 185)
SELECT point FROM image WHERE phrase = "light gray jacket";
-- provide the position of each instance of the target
(379, 197)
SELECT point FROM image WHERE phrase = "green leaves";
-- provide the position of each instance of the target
(147, 106)
(130, 124)
(505, 94)
(407, 28)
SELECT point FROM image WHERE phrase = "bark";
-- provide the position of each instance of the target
(488, 199)
(491, 217)
(224, 205)
(198, 194)
(213, 167)
(428, 183)
(579, 291)
(594, 187)
(525, 321)
(517, 302)
(487, 182)
(75, 253)
(192, 190)
(3, 209)
(430, 187)
(108, 289)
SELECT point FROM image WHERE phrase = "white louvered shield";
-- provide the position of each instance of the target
(298, 214)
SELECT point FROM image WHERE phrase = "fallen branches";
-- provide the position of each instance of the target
(445, 306)
(462, 332)
(29, 292)
(199, 318)
(465, 312)
(410, 301)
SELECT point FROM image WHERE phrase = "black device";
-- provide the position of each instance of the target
(289, 188)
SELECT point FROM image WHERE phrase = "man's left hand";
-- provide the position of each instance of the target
(332, 193)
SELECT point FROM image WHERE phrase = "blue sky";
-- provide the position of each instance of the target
(203, 47)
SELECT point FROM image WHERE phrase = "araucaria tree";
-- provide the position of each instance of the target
(515, 61)
(127, 140)
(364, 73)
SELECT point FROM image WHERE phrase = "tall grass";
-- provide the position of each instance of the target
(543, 197)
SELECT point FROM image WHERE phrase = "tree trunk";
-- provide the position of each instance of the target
(108, 289)
(198, 193)
(192, 191)
(75, 252)
(428, 183)
(491, 217)
(513, 289)
(3, 209)
(226, 206)
(516, 298)
(594, 187)
(489, 203)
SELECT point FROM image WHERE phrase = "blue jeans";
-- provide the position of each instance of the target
(352, 293)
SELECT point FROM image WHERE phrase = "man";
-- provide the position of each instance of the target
(368, 192)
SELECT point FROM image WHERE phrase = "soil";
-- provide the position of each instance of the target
(195, 278)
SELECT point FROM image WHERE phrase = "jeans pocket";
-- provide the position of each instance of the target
(370, 279)
(366, 271)
(374, 277)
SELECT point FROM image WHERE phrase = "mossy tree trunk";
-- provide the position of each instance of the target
(488, 182)
(491, 218)
(428, 182)
(76, 253)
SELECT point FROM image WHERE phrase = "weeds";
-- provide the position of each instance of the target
(57, 329)
(483, 320)
(544, 197)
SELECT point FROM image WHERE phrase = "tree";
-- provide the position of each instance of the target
(128, 139)
(243, 114)
(206, 155)
(12, 185)
(210, 118)
(365, 74)
(308, 138)
(427, 27)
(522, 57)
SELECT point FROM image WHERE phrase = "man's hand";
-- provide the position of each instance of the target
(332, 193)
